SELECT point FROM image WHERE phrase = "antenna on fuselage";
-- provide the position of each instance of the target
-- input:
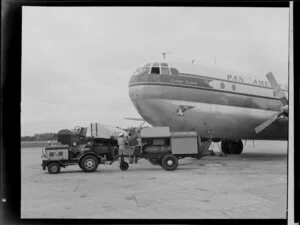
(166, 53)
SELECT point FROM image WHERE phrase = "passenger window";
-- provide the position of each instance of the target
(155, 70)
(165, 70)
(233, 87)
(174, 71)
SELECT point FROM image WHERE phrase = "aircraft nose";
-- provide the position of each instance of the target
(132, 80)
(138, 76)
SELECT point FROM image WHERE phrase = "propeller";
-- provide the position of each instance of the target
(283, 100)
(277, 89)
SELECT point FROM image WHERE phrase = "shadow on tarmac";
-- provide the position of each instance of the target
(263, 156)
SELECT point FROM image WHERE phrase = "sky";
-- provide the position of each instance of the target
(77, 61)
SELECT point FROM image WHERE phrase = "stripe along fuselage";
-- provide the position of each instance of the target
(228, 108)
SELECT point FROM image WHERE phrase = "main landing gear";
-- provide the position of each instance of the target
(232, 147)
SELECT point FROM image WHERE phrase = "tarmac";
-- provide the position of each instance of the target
(252, 185)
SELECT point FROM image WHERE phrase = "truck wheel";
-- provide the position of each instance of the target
(169, 162)
(124, 166)
(89, 163)
(113, 154)
(155, 161)
(53, 167)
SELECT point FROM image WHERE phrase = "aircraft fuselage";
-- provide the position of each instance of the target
(213, 107)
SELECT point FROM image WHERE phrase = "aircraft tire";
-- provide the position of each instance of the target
(232, 147)
(237, 147)
(53, 167)
(169, 162)
(225, 146)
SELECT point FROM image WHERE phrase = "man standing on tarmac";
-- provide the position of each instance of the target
(133, 144)
(121, 143)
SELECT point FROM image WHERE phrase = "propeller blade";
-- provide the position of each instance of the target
(277, 89)
(267, 123)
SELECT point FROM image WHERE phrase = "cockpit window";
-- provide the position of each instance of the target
(174, 71)
(146, 69)
(165, 70)
(155, 70)
(141, 70)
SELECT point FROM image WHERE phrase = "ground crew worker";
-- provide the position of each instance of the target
(134, 144)
(121, 143)
(130, 158)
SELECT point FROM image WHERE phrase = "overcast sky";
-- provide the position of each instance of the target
(76, 61)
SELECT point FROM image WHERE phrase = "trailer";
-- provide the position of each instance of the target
(162, 147)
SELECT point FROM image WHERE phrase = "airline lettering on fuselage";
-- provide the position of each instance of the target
(235, 78)
(176, 81)
(242, 80)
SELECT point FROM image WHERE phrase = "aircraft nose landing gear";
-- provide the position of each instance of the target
(232, 147)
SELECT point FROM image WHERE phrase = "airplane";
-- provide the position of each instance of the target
(219, 104)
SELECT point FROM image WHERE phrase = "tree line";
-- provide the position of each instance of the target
(40, 137)
(53, 136)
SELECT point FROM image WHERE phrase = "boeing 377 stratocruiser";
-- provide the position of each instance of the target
(216, 103)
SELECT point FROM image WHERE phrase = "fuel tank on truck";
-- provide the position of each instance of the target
(156, 149)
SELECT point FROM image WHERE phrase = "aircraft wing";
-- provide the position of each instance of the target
(135, 119)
